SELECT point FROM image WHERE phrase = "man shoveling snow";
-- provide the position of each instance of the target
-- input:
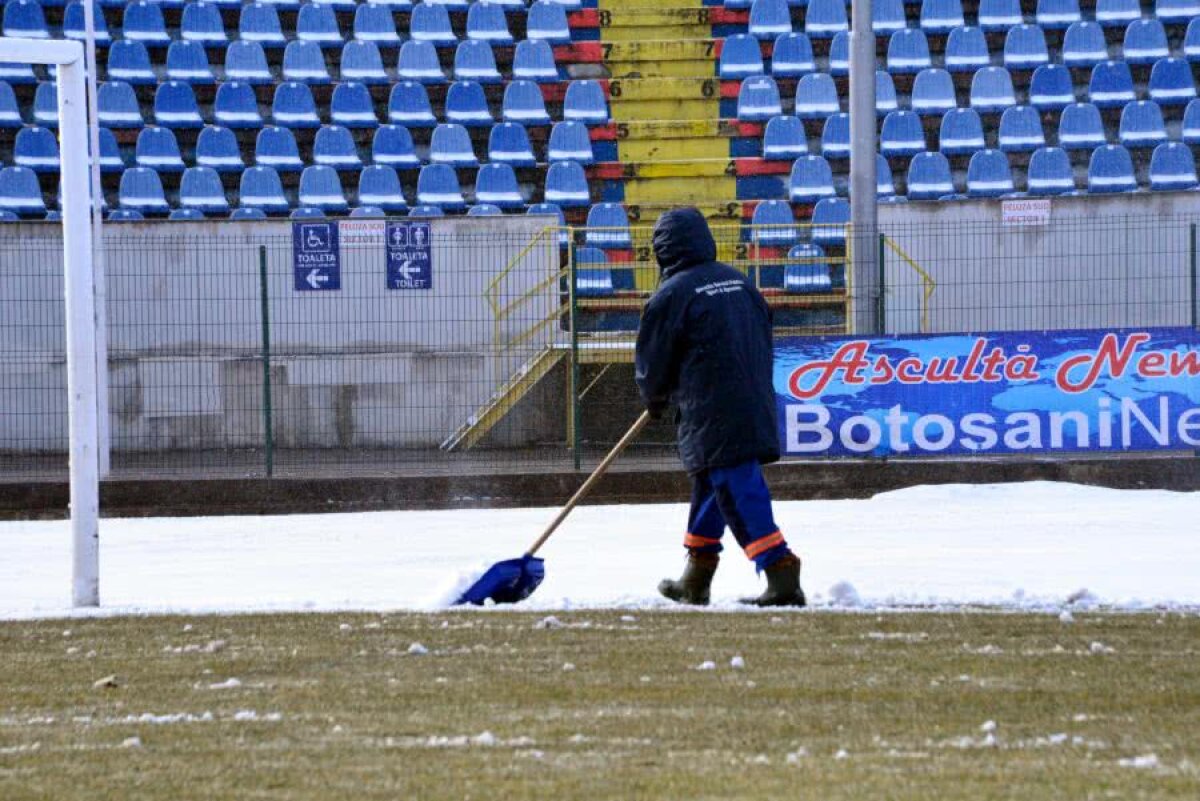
(705, 346)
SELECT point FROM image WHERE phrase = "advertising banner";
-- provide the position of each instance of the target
(1003, 393)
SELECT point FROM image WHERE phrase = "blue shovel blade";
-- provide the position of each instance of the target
(506, 582)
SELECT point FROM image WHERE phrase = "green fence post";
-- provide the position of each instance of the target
(264, 299)
(576, 415)
(881, 300)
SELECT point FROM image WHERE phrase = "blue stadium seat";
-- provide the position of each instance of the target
(1080, 127)
(569, 141)
(243, 213)
(566, 185)
(1117, 13)
(908, 52)
(128, 61)
(402, 5)
(929, 177)
(608, 227)
(118, 105)
(185, 214)
(784, 138)
(123, 216)
(110, 153)
(830, 218)
(592, 281)
(1025, 48)
(408, 105)
(188, 62)
(824, 18)
(419, 62)
(839, 54)
(774, 224)
(524, 104)
(374, 22)
(1142, 125)
(316, 23)
(992, 90)
(966, 50)
(902, 134)
(217, 148)
(816, 97)
(758, 98)
(175, 106)
(1191, 123)
(1172, 167)
(811, 180)
(235, 106)
(379, 186)
(1191, 41)
(484, 210)
(307, 213)
(437, 185)
(303, 61)
(1171, 82)
(564, 237)
(259, 23)
(835, 137)
(431, 23)
(1021, 130)
(961, 132)
(393, 146)
(887, 17)
(467, 105)
(352, 106)
(988, 174)
(334, 147)
(37, 149)
(792, 56)
(497, 184)
(247, 62)
(1176, 12)
(320, 188)
(10, 111)
(806, 272)
(548, 21)
(885, 93)
(474, 61)
(367, 211)
(1111, 170)
(276, 148)
(200, 189)
(486, 23)
(941, 16)
(201, 23)
(1084, 45)
(933, 92)
(158, 149)
(1050, 172)
(1051, 88)
(741, 56)
(74, 26)
(424, 210)
(294, 107)
(450, 144)
(23, 19)
(261, 189)
(1145, 42)
(585, 103)
(770, 18)
(143, 22)
(336, 5)
(533, 60)
(140, 190)
(885, 184)
(361, 62)
(20, 192)
(15, 73)
(508, 143)
(1057, 14)
(45, 105)
(999, 15)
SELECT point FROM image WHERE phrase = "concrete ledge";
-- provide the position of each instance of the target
(792, 481)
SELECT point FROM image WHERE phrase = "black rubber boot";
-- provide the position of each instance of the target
(783, 584)
(693, 586)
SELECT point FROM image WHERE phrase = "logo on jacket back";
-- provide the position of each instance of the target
(720, 287)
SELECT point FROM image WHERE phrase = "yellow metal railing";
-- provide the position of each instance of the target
(929, 285)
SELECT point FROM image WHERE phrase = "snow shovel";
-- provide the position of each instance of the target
(515, 580)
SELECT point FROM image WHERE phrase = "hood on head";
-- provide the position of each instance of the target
(682, 239)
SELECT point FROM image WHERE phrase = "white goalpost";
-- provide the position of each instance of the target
(79, 290)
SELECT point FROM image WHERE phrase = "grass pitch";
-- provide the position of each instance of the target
(602, 705)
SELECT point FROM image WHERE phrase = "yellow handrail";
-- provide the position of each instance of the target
(926, 279)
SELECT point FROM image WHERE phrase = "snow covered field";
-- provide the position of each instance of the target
(1035, 545)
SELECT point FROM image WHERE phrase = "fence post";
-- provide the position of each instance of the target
(881, 301)
(268, 425)
(1194, 294)
(575, 410)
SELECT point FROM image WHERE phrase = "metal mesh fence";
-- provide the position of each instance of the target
(511, 349)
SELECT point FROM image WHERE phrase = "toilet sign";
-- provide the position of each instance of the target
(409, 255)
(316, 257)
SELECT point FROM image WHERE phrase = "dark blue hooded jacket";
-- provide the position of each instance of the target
(705, 345)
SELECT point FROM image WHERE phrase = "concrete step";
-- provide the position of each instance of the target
(647, 89)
